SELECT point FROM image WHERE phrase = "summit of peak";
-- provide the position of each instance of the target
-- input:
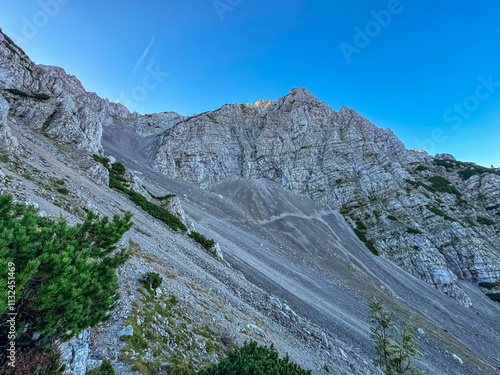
(302, 93)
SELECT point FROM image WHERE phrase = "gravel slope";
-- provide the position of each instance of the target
(306, 254)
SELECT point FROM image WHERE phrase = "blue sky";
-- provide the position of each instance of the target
(428, 70)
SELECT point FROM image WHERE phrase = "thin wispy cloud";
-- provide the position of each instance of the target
(144, 54)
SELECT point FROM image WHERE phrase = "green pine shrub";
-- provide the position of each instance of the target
(36, 96)
(489, 285)
(368, 243)
(18, 93)
(118, 168)
(442, 185)
(118, 181)
(65, 279)
(152, 280)
(413, 231)
(157, 212)
(202, 240)
(63, 190)
(252, 359)
(40, 96)
(106, 368)
(494, 296)
(437, 211)
(485, 221)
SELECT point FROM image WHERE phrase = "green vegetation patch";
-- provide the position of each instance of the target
(368, 243)
(254, 359)
(437, 211)
(422, 167)
(485, 221)
(394, 344)
(117, 181)
(157, 212)
(35, 249)
(413, 231)
(206, 243)
(465, 170)
(491, 208)
(151, 281)
(489, 285)
(494, 296)
(345, 210)
(442, 185)
(106, 368)
(360, 225)
(164, 339)
(63, 191)
(36, 96)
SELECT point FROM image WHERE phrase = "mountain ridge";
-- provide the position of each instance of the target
(429, 218)
(338, 158)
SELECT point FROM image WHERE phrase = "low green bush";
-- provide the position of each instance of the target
(494, 296)
(63, 191)
(489, 285)
(152, 280)
(19, 93)
(422, 167)
(438, 212)
(490, 208)
(442, 185)
(252, 359)
(40, 96)
(360, 225)
(202, 240)
(345, 210)
(117, 181)
(37, 96)
(106, 368)
(413, 231)
(484, 221)
(368, 243)
(103, 161)
(118, 168)
(157, 212)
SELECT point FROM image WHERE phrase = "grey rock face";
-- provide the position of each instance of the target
(7, 141)
(71, 116)
(74, 353)
(437, 230)
(126, 331)
(343, 160)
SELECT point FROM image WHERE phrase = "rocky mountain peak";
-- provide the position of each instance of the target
(298, 95)
(412, 209)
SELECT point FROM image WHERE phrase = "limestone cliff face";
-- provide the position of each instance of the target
(436, 217)
(47, 99)
(425, 214)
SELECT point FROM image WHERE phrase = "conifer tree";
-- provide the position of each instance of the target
(65, 279)
(394, 346)
(252, 359)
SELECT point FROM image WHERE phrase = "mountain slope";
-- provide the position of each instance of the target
(435, 217)
(297, 247)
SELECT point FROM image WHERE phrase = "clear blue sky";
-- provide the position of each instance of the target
(429, 73)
